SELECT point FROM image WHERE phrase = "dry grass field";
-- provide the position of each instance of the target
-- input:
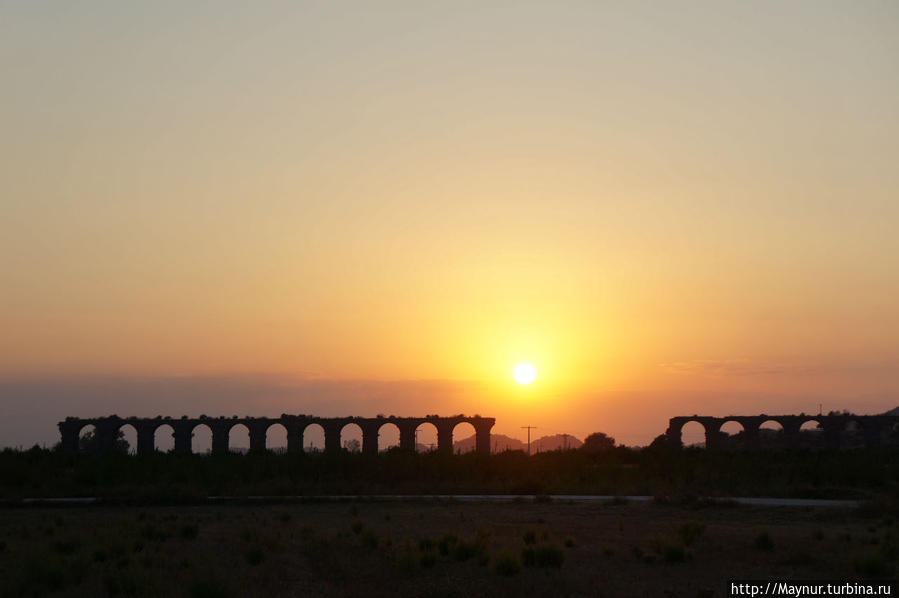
(435, 549)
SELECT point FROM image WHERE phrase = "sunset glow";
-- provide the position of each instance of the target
(340, 209)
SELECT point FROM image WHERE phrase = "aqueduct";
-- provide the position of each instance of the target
(106, 431)
(871, 430)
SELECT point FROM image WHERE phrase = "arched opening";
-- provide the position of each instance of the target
(239, 439)
(276, 438)
(464, 438)
(351, 438)
(314, 439)
(126, 440)
(425, 437)
(164, 439)
(732, 435)
(201, 440)
(87, 439)
(388, 437)
(852, 435)
(811, 434)
(771, 434)
(692, 434)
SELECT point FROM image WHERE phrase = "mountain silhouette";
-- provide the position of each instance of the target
(501, 442)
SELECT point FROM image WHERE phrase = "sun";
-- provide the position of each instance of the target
(524, 373)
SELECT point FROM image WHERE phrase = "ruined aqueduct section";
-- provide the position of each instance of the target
(874, 430)
(106, 430)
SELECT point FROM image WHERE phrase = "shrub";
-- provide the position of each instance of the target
(530, 537)
(67, 546)
(427, 560)
(357, 527)
(873, 565)
(254, 555)
(674, 554)
(764, 542)
(462, 551)
(507, 565)
(209, 588)
(549, 556)
(445, 544)
(369, 539)
(120, 583)
(569, 542)
(529, 557)
(690, 531)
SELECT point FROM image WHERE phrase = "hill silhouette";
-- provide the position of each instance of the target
(501, 442)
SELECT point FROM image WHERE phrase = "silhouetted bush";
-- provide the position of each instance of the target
(548, 556)
(598, 442)
(763, 541)
(507, 565)
(690, 531)
(209, 588)
(446, 543)
(254, 555)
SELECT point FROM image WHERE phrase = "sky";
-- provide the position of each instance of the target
(355, 208)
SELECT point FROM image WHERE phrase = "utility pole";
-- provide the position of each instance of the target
(529, 428)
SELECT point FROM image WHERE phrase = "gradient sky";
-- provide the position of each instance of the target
(668, 208)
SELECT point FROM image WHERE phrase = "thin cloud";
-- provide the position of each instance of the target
(733, 367)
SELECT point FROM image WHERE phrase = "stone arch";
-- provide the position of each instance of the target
(239, 438)
(164, 438)
(87, 438)
(313, 438)
(811, 433)
(425, 437)
(351, 437)
(732, 434)
(201, 439)
(129, 435)
(464, 437)
(276, 437)
(693, 434)
(388, 436)
(771, 434)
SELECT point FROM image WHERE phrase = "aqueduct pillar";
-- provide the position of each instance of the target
(407, 435)
(258, 430)
(294, 438)
(445, 437)
(183, 433)
(332, 435)
(482, 437)
(370, 433)
(145, 434)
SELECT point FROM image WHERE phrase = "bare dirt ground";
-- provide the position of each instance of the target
(434, 549)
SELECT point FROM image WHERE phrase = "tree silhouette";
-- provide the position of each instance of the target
(88, 442)
(597, 442)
